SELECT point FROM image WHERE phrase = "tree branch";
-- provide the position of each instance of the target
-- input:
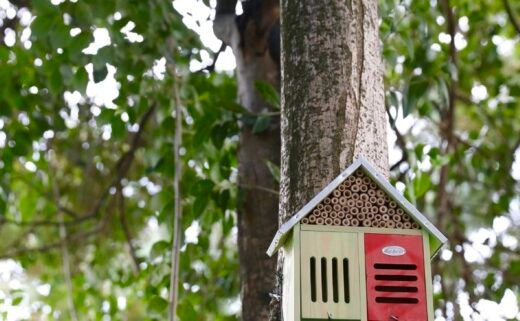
(211, 67)
(514, 21)
(177, 218)
(126, 231)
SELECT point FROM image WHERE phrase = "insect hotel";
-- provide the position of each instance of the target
(357, 251)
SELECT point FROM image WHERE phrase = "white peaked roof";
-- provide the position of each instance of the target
(436, 238)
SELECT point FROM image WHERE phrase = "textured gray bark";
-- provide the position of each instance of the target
(258, 209)
(332, 95)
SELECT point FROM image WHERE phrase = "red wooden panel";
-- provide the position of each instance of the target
(395, 277)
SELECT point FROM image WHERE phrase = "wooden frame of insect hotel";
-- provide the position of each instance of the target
(357, 251)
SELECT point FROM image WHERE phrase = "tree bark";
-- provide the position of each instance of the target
(332, 95)
(249, 36)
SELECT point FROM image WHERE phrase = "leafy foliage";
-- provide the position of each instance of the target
(452, 74)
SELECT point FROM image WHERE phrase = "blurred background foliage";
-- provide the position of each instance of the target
(86, 155)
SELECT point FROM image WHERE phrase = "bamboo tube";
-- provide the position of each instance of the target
(377, 217)
(396, 218)
(320, 221)
(387, 199)
(327, 208)
(406, 218)
(371, 192)
(383, 209)
(354, 222)
(380, 193)
(374, 210)
(380, 201)
(343, 201)
(372, 199)
(354, 211)
(367, 180)
(351, 203)
(312, 219)
(351, 179)
(336, 221)
(360, 204)
(359, 181)
(415, 226)
(305, 220)
(367, 222)
(349, 217)
(337, 207)
(347, 184)
(347, 193)
(363, 188)
(326, 201)
(407, 225)
(359, 174)
(370, 216)
(333, 214)
(385, 217)
(381, 224)
(373, 185)
(392, 204)
(390, 224)
(316, 211)
(365, 210)
(354, 196)
(391, 211)
(361, 216)
(328, 221)
(341, 215)
(341, 188)
(346, 209)
(319, 206)
(355, 188)
(346, 222)
(336, 193)
(334, 200)
(399, 211)
(364, 197)
(399, 225)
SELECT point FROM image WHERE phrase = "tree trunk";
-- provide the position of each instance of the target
(249, 36)
(332, 95)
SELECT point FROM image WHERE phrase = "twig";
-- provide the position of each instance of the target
(211, 68)
(260, 188)
(511, 15)
(400, 142)
(65, 256)
(177, 221)
(126, 231)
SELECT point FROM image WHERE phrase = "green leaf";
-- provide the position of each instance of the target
(157, 306)
(159, 249)
(100, 73)
(421, 184)
(274, 170)
(268, 93)
(261, 124)
(17, 300)
(415, 91)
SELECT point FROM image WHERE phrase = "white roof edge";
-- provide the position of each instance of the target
(284, 229)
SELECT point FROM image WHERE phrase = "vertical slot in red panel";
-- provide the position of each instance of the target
(395, 277)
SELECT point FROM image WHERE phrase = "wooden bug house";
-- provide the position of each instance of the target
(357, 251)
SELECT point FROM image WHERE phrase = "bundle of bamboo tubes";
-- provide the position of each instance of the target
(358, 201)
